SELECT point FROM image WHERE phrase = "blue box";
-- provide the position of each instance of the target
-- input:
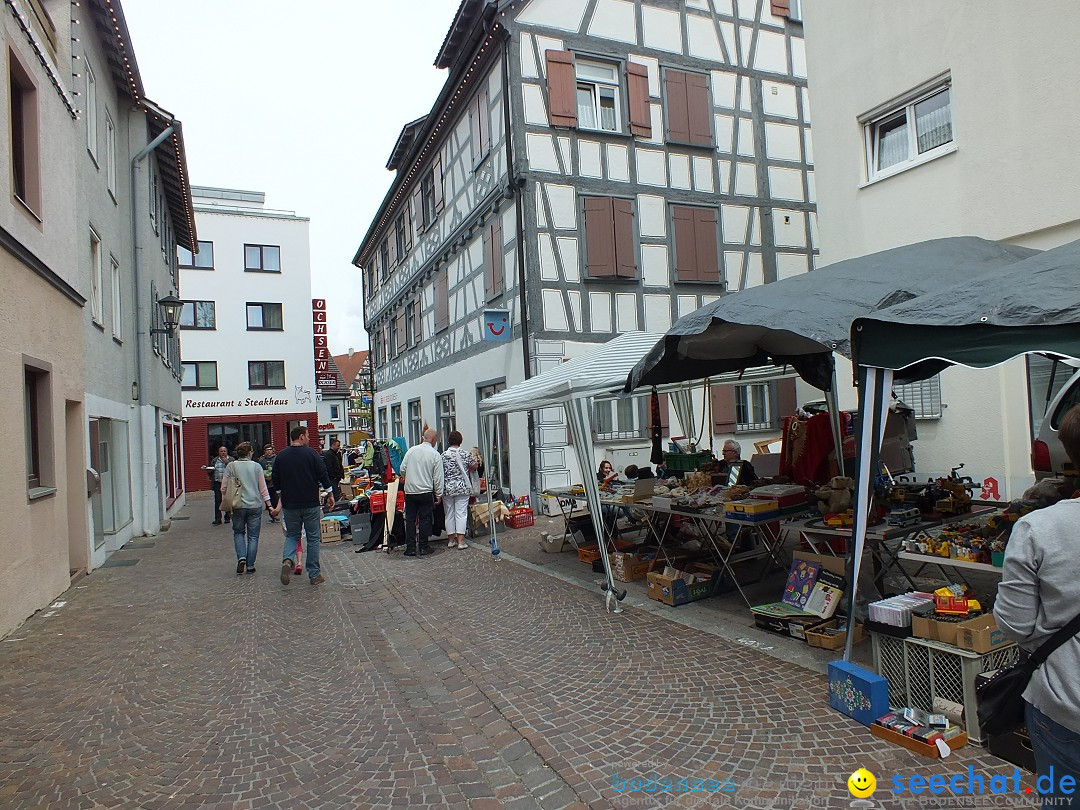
(860, 694)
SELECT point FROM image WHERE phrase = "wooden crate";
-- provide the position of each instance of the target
(917, 746)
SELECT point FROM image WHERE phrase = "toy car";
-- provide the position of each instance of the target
(909, 516)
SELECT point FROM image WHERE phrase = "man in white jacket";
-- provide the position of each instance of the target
(422, 469)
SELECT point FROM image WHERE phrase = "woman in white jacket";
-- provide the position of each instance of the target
(247, 520)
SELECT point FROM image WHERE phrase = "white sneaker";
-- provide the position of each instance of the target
(450, 544)
(462, 544)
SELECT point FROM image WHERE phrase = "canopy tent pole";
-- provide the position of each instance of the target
(579, 414)
(494, 541)
(832, 403)
(684, 409)
(875, 387)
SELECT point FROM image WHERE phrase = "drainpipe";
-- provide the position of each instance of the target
(144, 461)
(516, 188)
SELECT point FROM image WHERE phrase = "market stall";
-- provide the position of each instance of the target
(1032, 306)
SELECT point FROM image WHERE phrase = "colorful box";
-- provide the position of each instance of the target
(674, 591)
(752, 507)
(785, 495)
(790, 626)
(859, 693)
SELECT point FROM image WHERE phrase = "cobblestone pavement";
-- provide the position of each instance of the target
(450, 681)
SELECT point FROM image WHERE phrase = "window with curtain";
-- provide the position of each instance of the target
(910, 133)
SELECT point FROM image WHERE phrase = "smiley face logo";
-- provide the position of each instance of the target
(862, 784)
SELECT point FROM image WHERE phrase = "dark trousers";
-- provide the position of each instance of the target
(418, 509)
(216, 485)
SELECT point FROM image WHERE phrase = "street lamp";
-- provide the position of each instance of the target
(171, 306)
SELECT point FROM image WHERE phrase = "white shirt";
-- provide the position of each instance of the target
(422, 469)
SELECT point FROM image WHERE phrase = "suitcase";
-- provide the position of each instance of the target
(362, 536)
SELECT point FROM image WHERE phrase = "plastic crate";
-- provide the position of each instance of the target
(919, 670)
(520, 520)
(686, 462)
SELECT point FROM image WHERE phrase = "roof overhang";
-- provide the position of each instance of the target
(459, 38)
(108, 19)
(404, 141)
(172, 163)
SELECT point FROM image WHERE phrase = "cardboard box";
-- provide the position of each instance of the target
(917, 746)
(790, 626)
(838, 565)
(860, 694)
(817, 637)
(629, 567)
(329, 530)
(980, 634)
(932, 629)
(553, 543)
(661, 502)
(677, 591)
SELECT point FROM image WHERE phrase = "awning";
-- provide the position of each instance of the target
(800, 321)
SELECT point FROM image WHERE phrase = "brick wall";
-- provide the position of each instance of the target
(196, 450)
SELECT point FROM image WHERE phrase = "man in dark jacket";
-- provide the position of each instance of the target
(298, 472)
(334, 467)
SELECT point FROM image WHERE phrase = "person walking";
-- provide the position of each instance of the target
(298, 472)
(217, 467)
(422, 469)
(266, 461)
(1039, 594)
(334, 468)
(458, 468)
(247, 520)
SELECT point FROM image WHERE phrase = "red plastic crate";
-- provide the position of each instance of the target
(377, 500)
(520, 520)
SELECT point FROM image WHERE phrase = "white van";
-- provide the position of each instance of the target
(1047, 455)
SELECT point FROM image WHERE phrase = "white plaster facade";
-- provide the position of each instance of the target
(1008, 174)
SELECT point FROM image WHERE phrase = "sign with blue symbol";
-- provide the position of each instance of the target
(497, 325)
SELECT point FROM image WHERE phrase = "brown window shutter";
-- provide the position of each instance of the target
(781, 8)
(406, 224)
(699, 109)
(489, 279)
(686, 261)
(418, 323)
(474, 130)
(708, 259)
(562, 84)
(678, 114)
(637, 84)
(786, 399)
(723, 408)
(399, 333)
(391, 242)
(665, 418)
(485, 122)
(442, 301)
(498, 279)
(418, 210)
(437, 180)
(599, 237)
(625, 253)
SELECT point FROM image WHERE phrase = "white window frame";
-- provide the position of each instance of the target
(117, 302)
(110, 155)
(795, 11)
(416, 422)
(905, 105)
(594, 85)
(96, 294)
(924, 397)
(744, 399)
(623, 416)
(91, 113)
(397, 423)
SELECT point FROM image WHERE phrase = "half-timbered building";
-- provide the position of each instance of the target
(650, 156)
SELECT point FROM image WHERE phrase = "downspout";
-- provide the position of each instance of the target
(516, 188)
(139, 332)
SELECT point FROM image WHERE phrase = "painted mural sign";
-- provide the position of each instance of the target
(497, 325)
(324, 377)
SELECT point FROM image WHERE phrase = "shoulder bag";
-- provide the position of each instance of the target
(471, 477)
(1001, 699)
(233, 496)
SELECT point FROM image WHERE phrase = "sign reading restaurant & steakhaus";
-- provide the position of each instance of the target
(248, 402)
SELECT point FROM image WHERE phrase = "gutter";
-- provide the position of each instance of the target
(517, 186)
(139, 329)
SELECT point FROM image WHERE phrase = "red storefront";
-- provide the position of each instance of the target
(203, 435)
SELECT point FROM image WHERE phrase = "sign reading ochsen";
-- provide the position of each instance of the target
(324, 377)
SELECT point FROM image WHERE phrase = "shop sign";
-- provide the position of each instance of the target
(324, 377)
(497, 325)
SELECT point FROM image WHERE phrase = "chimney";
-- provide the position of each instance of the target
(350, 352)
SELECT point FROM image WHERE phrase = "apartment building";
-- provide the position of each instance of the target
(649, 157)
(96, 394)
(250, 330)
(355, 368)
(940, 119)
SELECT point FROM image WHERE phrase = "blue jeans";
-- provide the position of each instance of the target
(306, 520)
(1057, 754)
(249, 522)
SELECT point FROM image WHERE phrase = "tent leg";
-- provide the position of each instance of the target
(832, 402)
(496, 552)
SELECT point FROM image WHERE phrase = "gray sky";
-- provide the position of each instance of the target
(301, 100)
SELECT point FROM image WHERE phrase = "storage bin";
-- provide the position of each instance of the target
(686, 462)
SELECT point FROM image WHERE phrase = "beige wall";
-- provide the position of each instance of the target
(38, 321)
(1016, 110)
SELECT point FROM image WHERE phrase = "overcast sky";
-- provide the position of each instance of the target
(300, 100)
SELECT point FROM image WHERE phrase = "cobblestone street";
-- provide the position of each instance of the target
(452, 681)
